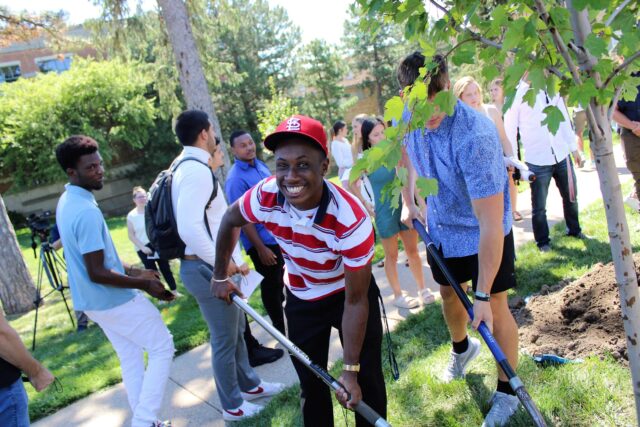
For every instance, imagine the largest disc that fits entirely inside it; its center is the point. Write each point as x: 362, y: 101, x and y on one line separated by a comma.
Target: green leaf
x: 560, y: 15
x: 582, y: 94
x: 591, y: 4
x: 359, y: 167
x: 418, y: 91
x: 490, y: 72
x: 596, y: 45
x: 427, y: 186
x: 530, y: 97
x: 428, y: 49
x: 464, y: 54
x: 514, y: 34
x: 514, y: 73
x: 393, y: 109
x: 402, y: 174
x: 553, y: 119
x: 391, y: 132
x: 499, y: 17
x: 537, y: 78
x: 446, y: 100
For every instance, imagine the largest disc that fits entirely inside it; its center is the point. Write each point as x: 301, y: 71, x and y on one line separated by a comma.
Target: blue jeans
x: 14, y: 410
x: 539, y: 191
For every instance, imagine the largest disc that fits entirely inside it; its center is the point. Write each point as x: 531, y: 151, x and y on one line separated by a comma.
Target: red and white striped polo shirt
x: 316, y: 251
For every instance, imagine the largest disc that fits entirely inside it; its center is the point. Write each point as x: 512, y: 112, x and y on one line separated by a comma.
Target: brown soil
x: 575, y: 319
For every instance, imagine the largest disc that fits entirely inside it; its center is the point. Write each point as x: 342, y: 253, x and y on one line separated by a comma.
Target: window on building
x: 9, y: 72
x: 57, y: 64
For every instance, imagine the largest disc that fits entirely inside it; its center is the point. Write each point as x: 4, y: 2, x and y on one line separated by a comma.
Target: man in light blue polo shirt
x: 106, y: 290
x: 262, y: 248
x: 469, y: 220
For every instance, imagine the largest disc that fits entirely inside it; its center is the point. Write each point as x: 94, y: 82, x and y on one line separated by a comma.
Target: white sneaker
x: 458, y: 362
x: 503, y: 406
x: 426, y: 297
x: 632, y: 202
x: 246, y: 410
x: 263, y: 390
x: 403, y: 301
x: 176, y: 293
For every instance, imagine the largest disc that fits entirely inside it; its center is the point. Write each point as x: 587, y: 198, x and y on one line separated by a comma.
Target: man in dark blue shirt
x: 263, y: 249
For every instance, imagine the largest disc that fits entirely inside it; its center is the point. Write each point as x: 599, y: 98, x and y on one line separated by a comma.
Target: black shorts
x: 465, y: 268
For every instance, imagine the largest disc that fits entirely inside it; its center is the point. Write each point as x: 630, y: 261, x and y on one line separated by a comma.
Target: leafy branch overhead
x: 584, y: 50
x: 521, y: 40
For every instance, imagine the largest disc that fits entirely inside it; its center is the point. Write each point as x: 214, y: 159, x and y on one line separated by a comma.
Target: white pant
x: 132, y: 328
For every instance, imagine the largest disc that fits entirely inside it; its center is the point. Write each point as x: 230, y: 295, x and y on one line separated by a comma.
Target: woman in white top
x: 468, y: 91
x: 138, y: 236
x: 341, y: 151
x: 497, y: 93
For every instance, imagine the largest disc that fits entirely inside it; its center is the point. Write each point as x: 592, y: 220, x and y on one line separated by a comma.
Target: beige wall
x: 367, y: 103
x: 114, y: 198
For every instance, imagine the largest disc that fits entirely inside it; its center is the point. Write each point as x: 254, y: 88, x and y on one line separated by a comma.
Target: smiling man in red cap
x: 327, y: 243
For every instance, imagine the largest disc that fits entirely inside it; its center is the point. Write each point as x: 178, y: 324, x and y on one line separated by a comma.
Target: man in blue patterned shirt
x: 470, y: 222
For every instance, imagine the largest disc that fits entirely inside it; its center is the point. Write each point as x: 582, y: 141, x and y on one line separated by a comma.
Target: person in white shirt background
x: 548, y: 156
x: 468, y: 91
x: 191, y: 189
x: 137, y: 233
x: 341, y: 151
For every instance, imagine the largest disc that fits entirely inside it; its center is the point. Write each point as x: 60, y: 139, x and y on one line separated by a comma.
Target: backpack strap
x: 214, y: 192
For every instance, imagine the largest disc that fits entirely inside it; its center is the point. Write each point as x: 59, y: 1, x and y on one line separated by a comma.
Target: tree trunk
x: 192, y: 80
x: 619, y: 239
x: 376, y: 61
x: 17, y: 291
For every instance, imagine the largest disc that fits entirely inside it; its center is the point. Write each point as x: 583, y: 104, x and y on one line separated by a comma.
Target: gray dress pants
x: 231, y: 370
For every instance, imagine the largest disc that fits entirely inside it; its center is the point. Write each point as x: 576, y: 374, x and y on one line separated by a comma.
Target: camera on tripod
x: 51, y: 267
x: 39, y: 226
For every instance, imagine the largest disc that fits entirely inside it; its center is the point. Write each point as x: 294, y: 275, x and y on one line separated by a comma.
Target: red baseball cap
x: 298, y: 125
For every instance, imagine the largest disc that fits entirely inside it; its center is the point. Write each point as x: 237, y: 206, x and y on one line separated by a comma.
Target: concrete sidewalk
x: 191, y: 398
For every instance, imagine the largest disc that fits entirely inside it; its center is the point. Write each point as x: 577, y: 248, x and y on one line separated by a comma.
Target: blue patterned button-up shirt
x: 465, y: 156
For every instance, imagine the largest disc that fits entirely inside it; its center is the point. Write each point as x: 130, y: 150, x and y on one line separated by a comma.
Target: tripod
x: 51, y: 264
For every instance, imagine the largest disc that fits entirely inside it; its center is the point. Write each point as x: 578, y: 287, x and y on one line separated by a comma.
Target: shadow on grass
x: 568, y: 259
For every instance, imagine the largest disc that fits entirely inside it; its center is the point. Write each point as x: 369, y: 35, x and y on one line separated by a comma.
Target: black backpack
x: 159, y: 218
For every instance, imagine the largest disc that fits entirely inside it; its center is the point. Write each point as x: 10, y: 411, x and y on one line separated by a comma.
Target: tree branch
x: 478, y: 37
x: 30, y: 26
x: 620, y: 68
x: 560, y: 45
x: 616, y: 12
x: 614, y: 102
x: 454, y: 24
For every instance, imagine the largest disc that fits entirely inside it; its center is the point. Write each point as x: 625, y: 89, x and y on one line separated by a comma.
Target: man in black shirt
x: 14, y: 359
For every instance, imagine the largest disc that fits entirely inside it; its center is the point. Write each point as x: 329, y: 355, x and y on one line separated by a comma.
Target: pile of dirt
x: 575, y: 319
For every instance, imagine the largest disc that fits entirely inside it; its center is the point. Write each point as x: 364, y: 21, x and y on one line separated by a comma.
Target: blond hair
x: 356, y: 145
x: 463, y: 83
x: 137, y: 189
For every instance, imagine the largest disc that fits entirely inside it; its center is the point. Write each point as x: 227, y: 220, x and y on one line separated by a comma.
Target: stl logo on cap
x: 293, y: 124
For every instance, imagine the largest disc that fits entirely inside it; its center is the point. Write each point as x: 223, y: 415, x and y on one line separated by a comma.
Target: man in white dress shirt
x: 548, y: 156
x: 191, y: 190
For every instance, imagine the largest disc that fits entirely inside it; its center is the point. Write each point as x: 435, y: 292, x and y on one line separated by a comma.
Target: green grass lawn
x: 594, y: 393
x: 85, y: 362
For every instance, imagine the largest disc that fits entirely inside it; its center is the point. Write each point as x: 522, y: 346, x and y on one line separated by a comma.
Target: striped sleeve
x: 256, y: 203
x: 357, y: 246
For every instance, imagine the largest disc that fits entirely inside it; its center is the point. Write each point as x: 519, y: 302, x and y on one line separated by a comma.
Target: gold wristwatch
x: 351, y: 368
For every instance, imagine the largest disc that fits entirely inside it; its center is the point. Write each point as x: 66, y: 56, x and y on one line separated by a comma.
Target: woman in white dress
x: 468, y: 91
x: 138, y: 235
x: 341, y: 151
